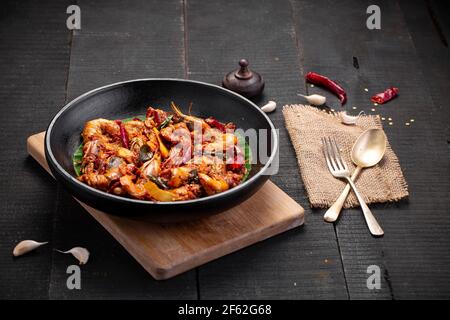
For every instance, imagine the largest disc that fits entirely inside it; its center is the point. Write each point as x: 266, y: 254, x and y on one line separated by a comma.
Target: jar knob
x: 244, y: 72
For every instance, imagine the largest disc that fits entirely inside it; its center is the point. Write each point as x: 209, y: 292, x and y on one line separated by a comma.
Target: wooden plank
x: 430, y: 32
x: 413, y: 263
x: 117, y: 41
x: 305, y: 262
x: 166, y: 250
x: 33, y: 65
x: 438, y: 10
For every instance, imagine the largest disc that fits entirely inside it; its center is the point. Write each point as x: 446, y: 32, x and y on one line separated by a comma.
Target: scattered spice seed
x: 366, y: 90
x: 312, y: 86
x: 372, y: 109
x: 412, y: 120
x: 383, y: 118
x: 375, y: 104
x: 407, y: 124
x: 391, y: 123
x: 354, y: 108
x: 332, y: 110
x: 390, y: 119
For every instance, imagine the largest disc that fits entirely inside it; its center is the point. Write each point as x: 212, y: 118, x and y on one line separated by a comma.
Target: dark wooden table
x: 43, y: 65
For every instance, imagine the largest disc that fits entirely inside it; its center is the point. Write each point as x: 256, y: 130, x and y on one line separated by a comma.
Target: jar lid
x: 244, y: 81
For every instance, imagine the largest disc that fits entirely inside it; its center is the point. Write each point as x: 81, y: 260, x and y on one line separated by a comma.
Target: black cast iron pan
x: 131, y: 98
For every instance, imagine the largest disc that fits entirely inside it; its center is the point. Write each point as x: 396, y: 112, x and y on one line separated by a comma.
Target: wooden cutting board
x: 165, y: 250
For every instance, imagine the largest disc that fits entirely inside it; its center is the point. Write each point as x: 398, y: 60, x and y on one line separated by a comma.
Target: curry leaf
x: 165, y: 122
x: 145, y: 153
x: 77, y: 159
x: 247, y: 156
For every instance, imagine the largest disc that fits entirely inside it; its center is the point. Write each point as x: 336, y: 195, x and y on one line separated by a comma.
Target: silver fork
x: 339, y: 169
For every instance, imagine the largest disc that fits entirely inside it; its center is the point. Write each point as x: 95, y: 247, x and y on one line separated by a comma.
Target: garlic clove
x: 82, y: 254
x: 269, y: 107
x: 315, y: 99
x: 348, y: 119
x: 26, y: 246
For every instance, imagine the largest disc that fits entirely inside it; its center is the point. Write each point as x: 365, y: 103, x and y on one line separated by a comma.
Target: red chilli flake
x: 238, y: 161
x: 123, y: 134
x: 149, y: 112
x: 327, y: 83
x: 385, y: 96
x: 215, y: 124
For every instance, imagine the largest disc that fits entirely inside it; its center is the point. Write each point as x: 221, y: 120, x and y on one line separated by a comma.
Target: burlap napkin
x: 307, y: 125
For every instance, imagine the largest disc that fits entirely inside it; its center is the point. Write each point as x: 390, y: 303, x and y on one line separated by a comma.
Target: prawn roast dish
x: 164, y: 156
x: 168, y: 163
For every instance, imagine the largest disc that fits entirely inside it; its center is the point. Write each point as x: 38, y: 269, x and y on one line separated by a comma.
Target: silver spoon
x: 367, y: 151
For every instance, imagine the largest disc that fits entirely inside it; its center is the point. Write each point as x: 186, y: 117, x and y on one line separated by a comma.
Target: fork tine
x: 338, y: 155
x: 326, y: 154
x: 332, y: 155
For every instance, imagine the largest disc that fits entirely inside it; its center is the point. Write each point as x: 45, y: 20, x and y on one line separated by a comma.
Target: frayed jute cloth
x: 307, y: 125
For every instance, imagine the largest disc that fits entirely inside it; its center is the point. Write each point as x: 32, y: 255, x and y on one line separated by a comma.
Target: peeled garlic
x: 347, y: 119
x: 82, y: 254
x: 315, y: 99
x: 269, y: 107
x: 26, y: 246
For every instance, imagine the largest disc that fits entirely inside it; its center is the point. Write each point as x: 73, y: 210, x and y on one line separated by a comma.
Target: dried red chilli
x: 327, y: 83
x: 385, y: 96
x: 149, y: 112
x: 123, y: 134
x: 158, y: 115
x: 215, y: 124
x: 238, y: 161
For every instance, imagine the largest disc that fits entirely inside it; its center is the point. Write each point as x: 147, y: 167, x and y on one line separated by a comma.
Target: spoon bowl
x: 369, y: 148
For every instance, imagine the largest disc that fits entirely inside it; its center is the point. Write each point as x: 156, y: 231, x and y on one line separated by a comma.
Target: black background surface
x: 43, y: 65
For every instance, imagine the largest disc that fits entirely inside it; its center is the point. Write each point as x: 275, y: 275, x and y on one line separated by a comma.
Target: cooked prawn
x: 134, y: 128
x: 191, y: 119
x: 135, y: 190
x: 163, y: 158
x: 100, y: 129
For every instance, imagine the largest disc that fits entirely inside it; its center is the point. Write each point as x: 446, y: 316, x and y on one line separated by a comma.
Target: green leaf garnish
x: 247, y: 156
x: 165, y: 122
x: 145, y: 153
x: 158, y: 182
x: 77, y: 159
